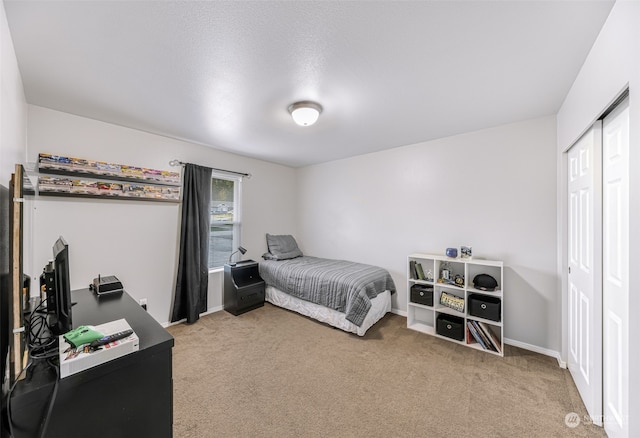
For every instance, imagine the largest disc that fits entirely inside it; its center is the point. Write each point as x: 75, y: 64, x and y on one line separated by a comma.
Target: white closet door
x: 615, y: 278
x: 585, y: 261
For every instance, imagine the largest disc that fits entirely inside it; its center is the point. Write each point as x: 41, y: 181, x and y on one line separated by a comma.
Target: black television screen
x: 62, y: 322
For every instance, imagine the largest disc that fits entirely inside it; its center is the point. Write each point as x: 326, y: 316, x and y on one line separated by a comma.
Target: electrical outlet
x: 143, y: 303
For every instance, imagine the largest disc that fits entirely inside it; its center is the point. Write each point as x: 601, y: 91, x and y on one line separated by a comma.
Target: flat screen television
x: 61, y: 321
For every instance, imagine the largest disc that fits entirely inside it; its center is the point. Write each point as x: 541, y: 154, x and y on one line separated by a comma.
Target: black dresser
x: 131, y: 396
x: 243, y: 287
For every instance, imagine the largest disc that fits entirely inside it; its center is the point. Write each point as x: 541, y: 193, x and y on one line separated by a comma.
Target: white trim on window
x: 236, y: 223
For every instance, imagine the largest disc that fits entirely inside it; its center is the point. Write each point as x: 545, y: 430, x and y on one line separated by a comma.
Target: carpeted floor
x: 274, y: 373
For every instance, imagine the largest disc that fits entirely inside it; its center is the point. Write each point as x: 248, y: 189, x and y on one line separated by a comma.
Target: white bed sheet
x: 380, y: 305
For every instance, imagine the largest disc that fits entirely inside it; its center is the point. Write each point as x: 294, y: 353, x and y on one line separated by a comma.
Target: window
x: 224, y: 236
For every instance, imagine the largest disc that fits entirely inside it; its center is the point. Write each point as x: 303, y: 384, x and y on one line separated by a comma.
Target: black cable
x: 13, y: 386
x: 47, y: 417
x: 42, y: 345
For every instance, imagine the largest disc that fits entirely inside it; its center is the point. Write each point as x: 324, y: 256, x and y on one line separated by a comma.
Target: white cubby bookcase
x: 424, y: 317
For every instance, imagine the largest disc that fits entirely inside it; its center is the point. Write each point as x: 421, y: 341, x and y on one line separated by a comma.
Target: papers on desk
x: 73, y: 360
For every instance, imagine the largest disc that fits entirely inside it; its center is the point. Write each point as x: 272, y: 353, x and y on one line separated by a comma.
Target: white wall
x: 612, y: 65
x: 493, y: 190
x: 13, y: 124
x: 13, y: 106
x: 137, y: 240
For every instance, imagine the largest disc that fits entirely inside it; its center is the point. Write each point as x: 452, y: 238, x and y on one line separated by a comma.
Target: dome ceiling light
x: 305, y: 113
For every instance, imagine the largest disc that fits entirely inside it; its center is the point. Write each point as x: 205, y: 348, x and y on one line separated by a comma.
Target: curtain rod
x: 180, y: 163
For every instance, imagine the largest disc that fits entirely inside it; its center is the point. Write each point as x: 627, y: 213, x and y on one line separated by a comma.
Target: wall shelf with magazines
x: 457, y: 299
x: 77, y: 177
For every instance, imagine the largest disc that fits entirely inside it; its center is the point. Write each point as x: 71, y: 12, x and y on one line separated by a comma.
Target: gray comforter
x: 340, y: 285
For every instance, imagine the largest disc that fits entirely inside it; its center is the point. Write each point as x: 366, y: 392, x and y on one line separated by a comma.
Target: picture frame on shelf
x: 466, y: 252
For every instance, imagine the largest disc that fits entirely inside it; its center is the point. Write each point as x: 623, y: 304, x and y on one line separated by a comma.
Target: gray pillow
x: 282, y: 247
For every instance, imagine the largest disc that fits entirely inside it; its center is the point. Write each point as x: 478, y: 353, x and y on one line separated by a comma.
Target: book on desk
x: 80, y: 358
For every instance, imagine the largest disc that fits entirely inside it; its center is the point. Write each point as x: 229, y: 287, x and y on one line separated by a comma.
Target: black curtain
x: 193, y: 260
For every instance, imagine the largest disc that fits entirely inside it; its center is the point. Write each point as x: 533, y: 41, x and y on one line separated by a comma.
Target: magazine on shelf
x: 100, y: 168
x: 491, y: 335
x: 476, y: 335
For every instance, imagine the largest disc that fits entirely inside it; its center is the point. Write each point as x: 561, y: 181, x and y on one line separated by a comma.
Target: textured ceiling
x: 222, y: 74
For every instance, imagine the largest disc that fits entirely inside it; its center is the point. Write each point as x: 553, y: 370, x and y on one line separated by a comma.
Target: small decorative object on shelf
x: 485, y: 282
x: 429, y: 275
x: 465, y: 252
x: 452, y: 301
x: 452, y: 252
x: 445, y: 273
x: 455, y: 308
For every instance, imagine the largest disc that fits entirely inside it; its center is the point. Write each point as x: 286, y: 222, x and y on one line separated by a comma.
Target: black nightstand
x: 243, y: 287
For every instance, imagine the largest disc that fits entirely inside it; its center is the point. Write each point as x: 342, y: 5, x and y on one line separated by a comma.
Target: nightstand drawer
x: 250, y: 296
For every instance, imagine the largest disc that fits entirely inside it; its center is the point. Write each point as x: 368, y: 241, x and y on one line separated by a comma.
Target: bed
x: 346, y: 295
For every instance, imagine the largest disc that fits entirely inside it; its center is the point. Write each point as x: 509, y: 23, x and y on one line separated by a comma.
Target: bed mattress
x: 380, y: 305
x: 341, y: 285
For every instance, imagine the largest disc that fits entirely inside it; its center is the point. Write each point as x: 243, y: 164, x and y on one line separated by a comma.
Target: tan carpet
x: 274, y: 373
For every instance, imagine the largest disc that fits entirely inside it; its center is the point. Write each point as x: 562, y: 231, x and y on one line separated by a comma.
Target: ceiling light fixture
x: 305, y: 113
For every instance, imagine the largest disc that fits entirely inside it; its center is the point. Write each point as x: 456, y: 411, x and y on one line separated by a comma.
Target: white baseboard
x: 523, y: 345
x: 536, y: 349
x: 212, y: 310
x: 209, y: 311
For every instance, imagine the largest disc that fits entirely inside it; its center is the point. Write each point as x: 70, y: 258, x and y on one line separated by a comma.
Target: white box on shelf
x: 73, y: 360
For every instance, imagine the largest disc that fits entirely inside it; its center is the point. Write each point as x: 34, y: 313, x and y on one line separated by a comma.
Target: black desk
x: 131, y: 396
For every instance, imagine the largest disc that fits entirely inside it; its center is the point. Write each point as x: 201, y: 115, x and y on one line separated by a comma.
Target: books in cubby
x: 483, y: 335
x: 417, y: 272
